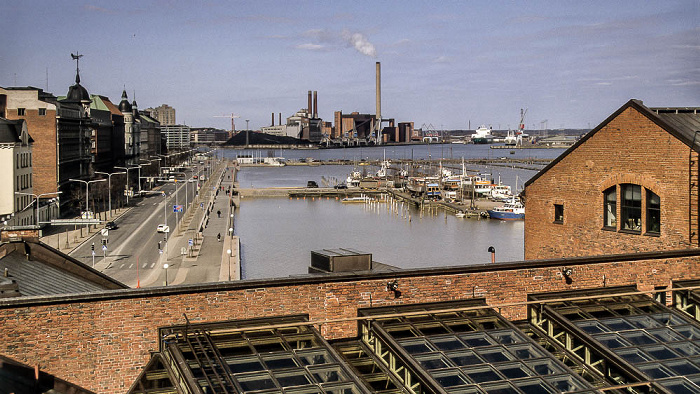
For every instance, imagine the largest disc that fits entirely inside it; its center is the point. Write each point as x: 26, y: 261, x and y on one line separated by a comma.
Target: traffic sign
x: 93, y: 253
x: 177, y: 208
x: 104, y: 247
x: 104, y: 232
x: 189, y: 242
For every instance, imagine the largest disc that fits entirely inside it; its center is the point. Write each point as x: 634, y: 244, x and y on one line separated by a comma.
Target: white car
x: 162, y: 228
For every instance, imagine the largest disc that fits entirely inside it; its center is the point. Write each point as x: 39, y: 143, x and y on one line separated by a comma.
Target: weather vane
x: 77, y: 57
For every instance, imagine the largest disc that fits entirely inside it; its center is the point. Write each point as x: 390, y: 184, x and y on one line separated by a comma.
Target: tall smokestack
x: 315, y: 105
x: 273, y: 119
x: 280, y: 118
x: 308, y: 109
x: 379, y: 90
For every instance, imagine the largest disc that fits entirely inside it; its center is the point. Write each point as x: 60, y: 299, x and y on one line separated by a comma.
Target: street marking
x: 153, y: 264
x: 131, y: 265
x: 144, y: 265
x: 121, y: 266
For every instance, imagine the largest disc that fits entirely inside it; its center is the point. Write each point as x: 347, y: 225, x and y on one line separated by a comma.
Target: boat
x: 501, y: 192
x: 482, y: 135
x: 513, y: 210
x: 356, y: 200
x: 511, y: 139
x: 460, y: 214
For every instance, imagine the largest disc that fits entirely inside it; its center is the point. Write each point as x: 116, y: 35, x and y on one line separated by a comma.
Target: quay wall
x: 101, y: 341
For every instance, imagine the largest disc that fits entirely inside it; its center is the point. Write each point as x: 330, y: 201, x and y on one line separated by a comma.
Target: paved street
x: 133, y: 256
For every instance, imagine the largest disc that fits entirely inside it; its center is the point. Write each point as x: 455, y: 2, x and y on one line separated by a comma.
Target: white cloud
x: 310, y: 47
x: 360, y: 43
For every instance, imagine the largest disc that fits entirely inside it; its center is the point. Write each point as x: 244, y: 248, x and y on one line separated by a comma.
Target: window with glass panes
x: 653, y: 212
x: 610, y: 212
x: 631, y: 207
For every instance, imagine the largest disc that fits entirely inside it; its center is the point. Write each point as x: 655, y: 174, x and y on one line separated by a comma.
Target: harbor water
x: 277, y: 235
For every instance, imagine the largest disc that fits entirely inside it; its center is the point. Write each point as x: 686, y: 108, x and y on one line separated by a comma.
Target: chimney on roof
x: 315, y: 105
x: 273, y: 119
x: 280, y: 119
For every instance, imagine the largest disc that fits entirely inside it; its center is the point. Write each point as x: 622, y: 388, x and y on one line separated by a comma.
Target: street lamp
x: 87, y: 190
x: 165, y: 267
x: 127, y: 180
x: 109, y: 186
x: 36, y: 202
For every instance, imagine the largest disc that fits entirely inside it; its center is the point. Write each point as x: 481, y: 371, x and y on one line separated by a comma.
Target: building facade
x: 164, y: 114
x: 177, y: 137
x: 630, y: 185
x: 16, y: 199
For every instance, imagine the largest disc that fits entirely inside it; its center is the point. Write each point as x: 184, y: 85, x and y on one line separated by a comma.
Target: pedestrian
x: 218, y: 237
x: 218, y: 213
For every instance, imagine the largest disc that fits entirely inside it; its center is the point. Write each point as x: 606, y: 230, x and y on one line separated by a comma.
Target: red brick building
x: 630, y: 185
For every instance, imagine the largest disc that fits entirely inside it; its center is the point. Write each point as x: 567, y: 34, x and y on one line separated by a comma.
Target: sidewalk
x: 201, y: 223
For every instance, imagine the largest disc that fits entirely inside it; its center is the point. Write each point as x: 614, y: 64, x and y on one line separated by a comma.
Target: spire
x: 77, y: 57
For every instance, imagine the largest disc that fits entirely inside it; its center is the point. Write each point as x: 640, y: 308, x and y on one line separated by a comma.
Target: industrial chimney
x: 308, y: 109
x: 379, y: 91
x: 273, y: 119
x: 315, y: 105
x: 280, y: 118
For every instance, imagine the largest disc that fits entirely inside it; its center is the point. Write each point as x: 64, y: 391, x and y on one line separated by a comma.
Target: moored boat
x: 513, y: 210
x: 356, y: 200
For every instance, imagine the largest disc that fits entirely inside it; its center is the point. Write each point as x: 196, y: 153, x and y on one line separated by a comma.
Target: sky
x: 445, y: 64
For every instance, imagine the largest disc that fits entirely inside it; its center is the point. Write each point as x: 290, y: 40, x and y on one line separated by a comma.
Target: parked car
x: 162, y: 228
x: 111, y: 226
x: 341, y: 186
x: 311, y: 184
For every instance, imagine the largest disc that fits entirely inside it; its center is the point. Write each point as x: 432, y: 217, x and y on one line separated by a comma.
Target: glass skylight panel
x: 591, y: 326
x: 485, y: 373
x: 534, y: 386
x: 680, y: 386
x: 612, y: 341
x: 416, y: 346
x: 495, y: 354
x: 617, y: 324
x: 690, y: 332
x: 450, y: 378
x: 477, y: 339
x: 638, y: 338
x: 432, y: 361
x: 465, y: 358
x: 633, y: 355
x: 246, y: 364
x: 448, y: 343
x: 506, y: 337
x: 514, y: 370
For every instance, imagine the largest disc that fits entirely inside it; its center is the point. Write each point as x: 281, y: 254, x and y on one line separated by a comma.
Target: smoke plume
x: 360, y: 43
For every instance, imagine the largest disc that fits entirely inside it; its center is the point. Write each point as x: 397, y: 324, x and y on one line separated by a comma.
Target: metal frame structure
x: 228, y: 358
x: 628, y: 337
x: 462, y: 351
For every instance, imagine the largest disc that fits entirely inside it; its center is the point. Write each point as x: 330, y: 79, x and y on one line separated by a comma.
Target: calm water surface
x: 278, y: 234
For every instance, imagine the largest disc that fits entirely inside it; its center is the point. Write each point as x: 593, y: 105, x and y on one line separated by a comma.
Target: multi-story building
x: 164, y: 114
x: 16, y: 192
x: 177, y: 136
x: 629, y: 185
x: 132, y: 130
x: 61, y: 131
x: 150, y: 128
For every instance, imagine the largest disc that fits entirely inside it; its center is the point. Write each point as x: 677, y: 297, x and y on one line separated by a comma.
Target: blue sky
x: 444, y: 63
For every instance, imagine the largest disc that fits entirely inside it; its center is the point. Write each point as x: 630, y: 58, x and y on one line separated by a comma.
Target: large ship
x: 482, y: 135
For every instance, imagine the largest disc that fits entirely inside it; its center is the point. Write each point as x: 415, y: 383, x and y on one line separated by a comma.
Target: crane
x: 232, y: 116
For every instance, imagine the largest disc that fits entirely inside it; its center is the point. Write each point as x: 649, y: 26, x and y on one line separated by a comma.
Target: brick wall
x: 628, y: 149
x: 101, y: 341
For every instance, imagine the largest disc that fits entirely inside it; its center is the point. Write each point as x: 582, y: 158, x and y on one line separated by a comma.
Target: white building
x: 16, y: 200
x: 176, y: 136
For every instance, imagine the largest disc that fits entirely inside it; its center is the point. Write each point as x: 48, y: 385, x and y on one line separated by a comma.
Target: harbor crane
x: 233, y: 125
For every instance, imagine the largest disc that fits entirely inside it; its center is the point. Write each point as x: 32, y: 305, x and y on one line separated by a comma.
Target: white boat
x: 513, y: 210
x: 511, y: 139
x: 482, y: 135
x: 356, y: 200
x: 501, y: 192
x: 460, y: 214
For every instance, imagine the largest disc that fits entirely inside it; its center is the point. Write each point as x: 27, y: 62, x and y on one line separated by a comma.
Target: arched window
x: 653, y: 212
x: 631, y: 207
x: 610, y: 209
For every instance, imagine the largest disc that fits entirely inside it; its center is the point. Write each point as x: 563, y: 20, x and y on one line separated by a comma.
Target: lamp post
x: 87, y: 190
x: 109, y: 186
x: 36, y: 202
x: 127, y: 180
x: 165, y: 267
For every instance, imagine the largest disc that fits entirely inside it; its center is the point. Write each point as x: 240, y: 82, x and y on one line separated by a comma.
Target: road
x: 133, y: 249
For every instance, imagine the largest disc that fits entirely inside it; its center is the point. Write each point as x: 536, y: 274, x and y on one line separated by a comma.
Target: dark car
x: 341, y: 186
x: 111, y: 226
x: 311, y: 184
